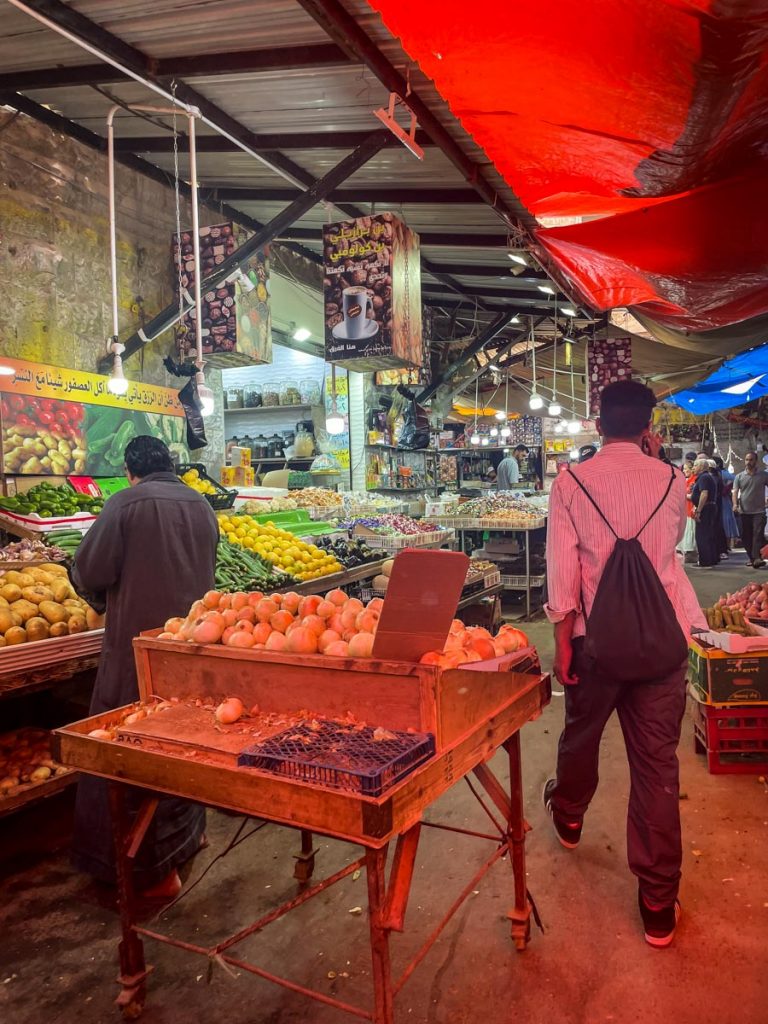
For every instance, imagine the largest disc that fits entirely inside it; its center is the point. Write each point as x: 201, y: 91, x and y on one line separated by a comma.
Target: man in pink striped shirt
x: 627, y: 481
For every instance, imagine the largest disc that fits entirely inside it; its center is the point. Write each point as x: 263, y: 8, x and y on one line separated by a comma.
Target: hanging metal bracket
x: 387, y: 118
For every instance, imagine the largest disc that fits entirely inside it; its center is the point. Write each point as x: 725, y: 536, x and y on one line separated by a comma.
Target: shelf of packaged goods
x: 404, y: 451
x: 262, y: 462
x: 269, y: 408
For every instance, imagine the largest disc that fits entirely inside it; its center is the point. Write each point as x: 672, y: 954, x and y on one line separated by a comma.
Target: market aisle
x: 57, y: 946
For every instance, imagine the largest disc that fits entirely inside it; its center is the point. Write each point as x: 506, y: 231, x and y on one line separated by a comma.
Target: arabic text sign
x: 39, y: 381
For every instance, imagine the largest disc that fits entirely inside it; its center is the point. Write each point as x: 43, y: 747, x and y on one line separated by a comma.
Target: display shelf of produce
x: 35, y: 664
x: 397, y: 542
x: 405, y: 490
x: 522, y: 582
x: 336, y: 579
x: 30, y: 527
x: 478, y: 596
x: 37, y: 791
x: 467, y: 523
x: 268, y: 408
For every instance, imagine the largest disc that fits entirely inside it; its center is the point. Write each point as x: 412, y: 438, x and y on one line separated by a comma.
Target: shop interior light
x: 475, y: 439
x: 574, y: 426
x: 302, y: 334
x: 494, y: 367
x: 559, y: 427
x: 517, y: 258
x: 568, y: 310
x: 500, y: 414
x: 536, y: 401
x: 6, y: 371
x: 494, y: 431
x: 555, y: 409
x: 574, y: 454
x: 546, y: 289
x: 485, y: 441
x: 204, y: 393
x: 505, y: 431
x: 117, y: 383
x: 515, y: 320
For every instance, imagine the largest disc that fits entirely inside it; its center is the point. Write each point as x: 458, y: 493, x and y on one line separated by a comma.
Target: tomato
x: 16, y: 402
x: 46, y: 418
x: 24, y: 421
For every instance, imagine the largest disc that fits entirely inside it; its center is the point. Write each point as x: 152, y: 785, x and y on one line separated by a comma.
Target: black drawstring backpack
x: 633, y: 635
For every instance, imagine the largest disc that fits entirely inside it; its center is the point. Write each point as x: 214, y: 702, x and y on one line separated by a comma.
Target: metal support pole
x: 520, y: 915
x: 375, y: 862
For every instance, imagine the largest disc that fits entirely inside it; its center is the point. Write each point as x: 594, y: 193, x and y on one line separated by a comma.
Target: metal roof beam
x: 369, y: 194
x: 520, y: 336
x: 490, y: 271
x: 483, y: 339
x: 526, y: 295
x: 444, y: 239
x: 263, y: 141
x: 262, y: 237
x: 288, y: 58
x: 343, y: 28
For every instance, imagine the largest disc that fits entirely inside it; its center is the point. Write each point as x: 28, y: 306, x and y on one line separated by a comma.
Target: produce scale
x: 395, y: 730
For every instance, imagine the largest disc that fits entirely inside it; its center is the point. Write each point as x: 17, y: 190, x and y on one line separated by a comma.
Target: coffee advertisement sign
x: 372, y: 294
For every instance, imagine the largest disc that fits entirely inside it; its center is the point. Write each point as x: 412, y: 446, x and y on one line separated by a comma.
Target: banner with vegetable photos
x: 237, y: 325
x: 56, y: 421
x: 610, y: 360
x: 372, y: 293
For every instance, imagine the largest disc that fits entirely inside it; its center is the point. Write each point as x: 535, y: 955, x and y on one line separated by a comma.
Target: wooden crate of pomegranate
x: 398, y: 695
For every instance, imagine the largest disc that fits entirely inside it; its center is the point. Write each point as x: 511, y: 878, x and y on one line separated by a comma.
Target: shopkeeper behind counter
x: 148, y: 556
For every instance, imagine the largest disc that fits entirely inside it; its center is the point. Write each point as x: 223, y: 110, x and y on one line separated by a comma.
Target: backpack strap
x: 596, y: 506
x: 602, y: 515
x: 664, y: 498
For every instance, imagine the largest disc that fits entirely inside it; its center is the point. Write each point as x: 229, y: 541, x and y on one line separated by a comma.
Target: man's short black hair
x: 626, y: 408
x: 520, y: 448
x: 690, y: 456
x: 145, y: 455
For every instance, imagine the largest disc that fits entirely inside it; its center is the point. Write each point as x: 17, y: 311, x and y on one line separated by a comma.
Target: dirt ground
x: 58, y: 942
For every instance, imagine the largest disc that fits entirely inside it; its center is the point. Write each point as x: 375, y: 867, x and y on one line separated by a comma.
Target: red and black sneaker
x: 567, y: 832
x: 660, y: 923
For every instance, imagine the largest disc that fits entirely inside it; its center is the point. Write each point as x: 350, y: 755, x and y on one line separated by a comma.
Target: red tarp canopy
x: 650, y: 114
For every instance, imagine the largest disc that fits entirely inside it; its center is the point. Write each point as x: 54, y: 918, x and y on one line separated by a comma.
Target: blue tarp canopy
x: 738, y: 381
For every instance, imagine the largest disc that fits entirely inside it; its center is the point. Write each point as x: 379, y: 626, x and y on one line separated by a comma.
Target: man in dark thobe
x: 149, y: 555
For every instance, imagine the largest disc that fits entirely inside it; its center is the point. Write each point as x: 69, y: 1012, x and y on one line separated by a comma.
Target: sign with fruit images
x: 57, y: 421
x: 372, y: 294
x: 237, y: 325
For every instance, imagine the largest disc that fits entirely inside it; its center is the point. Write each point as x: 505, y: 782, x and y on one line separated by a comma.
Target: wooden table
x: 471, y: 714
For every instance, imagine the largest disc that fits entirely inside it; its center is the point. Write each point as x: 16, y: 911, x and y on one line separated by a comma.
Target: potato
x: 37, y: 593
x: 77, y: 624
x: 73, y: 602
x: 4, y: 603
x: 59, y: 629
x: 62, y: 591
x: 26, y: 609
x: 17, y: 619
x: 15, y: 635
x: 21, y: 579
x: 40, y: 576
x: 52, y: 611
x: 380, y: 582
x: 2, y: 641
x: 94, y: 620
x: 54, y: 569
x: 10, y: 592
x: 388, y: 566
x: 37, y: 628
x: 6, y: 619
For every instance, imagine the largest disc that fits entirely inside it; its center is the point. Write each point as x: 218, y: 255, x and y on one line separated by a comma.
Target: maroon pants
x: 651, y: 716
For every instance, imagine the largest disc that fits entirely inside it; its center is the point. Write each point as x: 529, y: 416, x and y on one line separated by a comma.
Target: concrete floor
x: 58, y: 944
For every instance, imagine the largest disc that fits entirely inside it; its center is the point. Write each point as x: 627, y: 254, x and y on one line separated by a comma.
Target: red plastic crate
x: 734, y: 739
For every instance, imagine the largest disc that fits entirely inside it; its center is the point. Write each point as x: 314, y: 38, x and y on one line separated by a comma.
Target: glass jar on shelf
x: 234, y: 398
x: 304, y: 445
x: 310, y: 392
x: 252, y: 396
x: 289, y: 393
x: 270, y: 396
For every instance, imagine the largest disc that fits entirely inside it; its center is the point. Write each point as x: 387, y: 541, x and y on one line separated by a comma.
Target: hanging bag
x: 632, y: 633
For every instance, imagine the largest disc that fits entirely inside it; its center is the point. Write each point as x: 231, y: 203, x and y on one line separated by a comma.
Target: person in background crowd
x: 149, y: 555
x: 749, y: 500
x: 764, y: 450
x: 730, y: 526
x: 690, y: 457
x: 508, y: 472
x: 704, y: 500
x: 688, y: 542
x: 631, y: 487
x: 721, y: 540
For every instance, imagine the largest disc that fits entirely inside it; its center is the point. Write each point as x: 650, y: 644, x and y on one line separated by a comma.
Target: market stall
x: 354, y: 747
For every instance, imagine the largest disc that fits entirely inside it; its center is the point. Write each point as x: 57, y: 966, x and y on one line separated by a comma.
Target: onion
x: 228, y: 711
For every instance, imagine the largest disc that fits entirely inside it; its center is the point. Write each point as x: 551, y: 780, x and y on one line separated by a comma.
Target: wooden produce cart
x: 471, y: 712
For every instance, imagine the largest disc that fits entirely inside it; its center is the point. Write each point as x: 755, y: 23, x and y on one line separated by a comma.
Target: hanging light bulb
x: 475, y: 439
x: 500, y: 414
x: 485, y: 441
x: 204, y: 393
x: 559, y: 427
x: 554, y: 409
x: 574, y: 426
x: 536, y: 401
x: 574, y: 454
x: 117, y: 383
x: 505, y: 431
x: 494, y: 431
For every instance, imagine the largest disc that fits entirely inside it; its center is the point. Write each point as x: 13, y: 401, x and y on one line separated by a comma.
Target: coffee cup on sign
x: 355, y: 303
